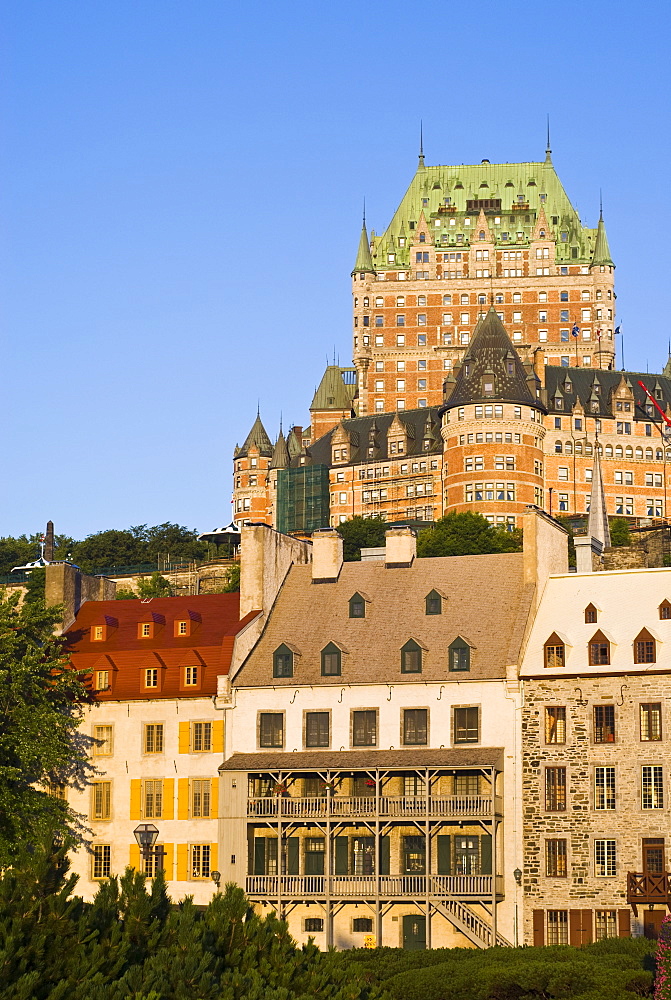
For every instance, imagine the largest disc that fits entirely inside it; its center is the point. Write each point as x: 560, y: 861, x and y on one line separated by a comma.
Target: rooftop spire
x: 597, y: 524
x: 548, y: 150
x: 601, y: 249
x: 364, y: 261
x: 420, y: 165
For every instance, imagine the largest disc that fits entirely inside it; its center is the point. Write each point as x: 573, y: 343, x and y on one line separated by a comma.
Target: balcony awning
x: 366, y: 760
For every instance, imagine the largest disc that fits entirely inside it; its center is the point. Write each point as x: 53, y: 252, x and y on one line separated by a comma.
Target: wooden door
x: 414, y: 932
x: 652, y: 923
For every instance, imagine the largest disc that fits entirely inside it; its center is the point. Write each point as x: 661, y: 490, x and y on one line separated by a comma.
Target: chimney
x: 401, y: 547
x: 266, y: 556
x: 544, y: 549
x: 539, y: 365
x: 327, y: 555
x: 49, y: 542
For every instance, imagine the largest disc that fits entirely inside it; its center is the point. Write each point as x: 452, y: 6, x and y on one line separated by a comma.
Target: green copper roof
x: 258, y: 438
x: 511, y: 195
x: 601, y: 248
x: 364, y: 261
x: 332, y: 393
x: 280, y: 459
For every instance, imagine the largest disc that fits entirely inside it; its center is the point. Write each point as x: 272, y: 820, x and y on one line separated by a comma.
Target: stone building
x: 370, y: 785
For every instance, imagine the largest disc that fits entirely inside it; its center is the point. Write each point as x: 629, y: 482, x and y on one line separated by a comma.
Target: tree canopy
x: 466, y: 534
x: 361, y: 533
x: 41, y: 748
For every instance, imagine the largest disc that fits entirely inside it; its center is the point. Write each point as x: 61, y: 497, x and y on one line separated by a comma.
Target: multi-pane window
x: 201, y: 797
x: 357, y: 606
x: 317, y: 729
x: 153, y: 737
x: 102, y: 680
x: 362, y: 924
x: 605, y: 925
x: 599, y: 651
x: 644, y: 649
x: 651, y: 721
x: 467, y: 784
x: 201, y: 737
x: 145, y: 630
x: 313, y: 925
x: 364, y: 728
x: 315, y: 850
x: 652, y: 787
x: 151, y: 677
x: 283, y: 662
x: 555, y: 789
x: 102, y: 800
x: 604, y: 857
x: 105, y: 737
x: 190, y: 676
x: 271, y: 729
x: 554, y: 653
x: 604, y: 723
x: 411, y: 658
x: 200, y: 860
x: 665, y: 610
x: 604, y: 787
x: 555, y: 724
x: 555, y: 858
x: 557, y: 926
x: 98, y: 633
x: 182, y: 628
x: 152, y: 799
x: 331, y: 661
x: 466, y: 725
x: 101, y: 862
x: 459, y: 655
x: 434, y: 604
x: 415, y: 726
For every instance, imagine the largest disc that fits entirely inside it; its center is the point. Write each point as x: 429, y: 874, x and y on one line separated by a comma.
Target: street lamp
x: 517, y: 875
x: 216, y: 878
x: 146, y: 834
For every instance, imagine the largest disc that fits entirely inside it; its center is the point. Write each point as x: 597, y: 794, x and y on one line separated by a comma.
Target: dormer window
x: 331, y: 660
x: 645, y: 650
x: 434, y: 603
x: 554, y: 652
x: 145, y: 630
x: 422, y: 237
x: 357, y: 606
x: 599, y: 650
x: 459, y: 653
x: 665, y: 611
x: 283, y: 662
x: 411, y: 658
x: 590, y: 614
x: 98, y: 633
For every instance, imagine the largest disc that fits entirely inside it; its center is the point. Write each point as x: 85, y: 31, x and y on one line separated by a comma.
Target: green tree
x: 125, y: 594
x: 464, y: 535
x: 41, y: 701
x: 154, y: 586
x: 233, y: 579
x: 361, y: 533
x: 619, y: 531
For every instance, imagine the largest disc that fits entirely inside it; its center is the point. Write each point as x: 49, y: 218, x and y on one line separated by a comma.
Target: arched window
x: 629, y: 452
x: 422, y: 237
x: 618, y: 451
x: 599, y: 650
x: 434, y: 603
x: 578, y: 447
x: 665, y: 610
x: 460, y: 654
x: 588, y: 448
x: 590, y: 614
x: 481, y: 234
x: 668, y: 454
x: 568, y: 448
x: 639, y: 454
x: 331, y: 661
x: 283, y: 662
x: 659, y: 455
x: 554, y: 651
x: 648, y: 454
x: 609, y: 451
x: 645, y: 650
x: 558, y: 447
x: 411, y: 658
x: 357, y: 606
x: 366, y: 302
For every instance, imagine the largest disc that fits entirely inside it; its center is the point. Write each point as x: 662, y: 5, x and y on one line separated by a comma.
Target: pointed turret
x: 601, y: 248
x: 364, y: 261
x: 597, y: 524
x: 280, y: 459
x: 492, y: 369
x: 257, y: 438
x: 332, y: 393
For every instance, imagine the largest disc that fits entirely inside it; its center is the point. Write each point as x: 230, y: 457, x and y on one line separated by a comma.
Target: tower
x: 493, y: 430
x: 251, y: 463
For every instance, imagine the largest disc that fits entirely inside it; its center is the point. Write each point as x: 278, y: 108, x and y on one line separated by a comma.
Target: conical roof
x: 294, y: 446
x: 597, y: 524
x: 601, y: 248
x: 364, y: 261
x: 491, y: 369
x: 332, y: 393
x: 280, y: 459
x: 258, y: 438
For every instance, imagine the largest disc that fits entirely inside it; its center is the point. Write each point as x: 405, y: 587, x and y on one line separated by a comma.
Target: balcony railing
x: 392, y: 806
x: 367, y: 886
x: 647, y: 888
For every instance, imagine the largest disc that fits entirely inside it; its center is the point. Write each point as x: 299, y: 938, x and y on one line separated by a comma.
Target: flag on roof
x: 618, y: 329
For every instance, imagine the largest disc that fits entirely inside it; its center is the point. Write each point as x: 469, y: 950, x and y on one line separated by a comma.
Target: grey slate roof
x: 469, y: 757
x: 256, y: 437
x: 572, y: 385
x: 491, y: 360
x: 332, y: 393
x: 374, y: 427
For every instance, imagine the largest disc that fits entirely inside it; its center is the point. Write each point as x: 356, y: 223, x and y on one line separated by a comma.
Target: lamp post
x: 146, y: 834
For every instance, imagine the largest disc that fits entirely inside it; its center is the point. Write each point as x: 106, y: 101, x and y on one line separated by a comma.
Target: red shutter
x: 624, y: 923
x: 539, y: 928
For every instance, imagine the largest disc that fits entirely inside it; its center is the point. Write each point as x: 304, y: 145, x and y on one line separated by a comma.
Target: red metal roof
x: 212, y: 620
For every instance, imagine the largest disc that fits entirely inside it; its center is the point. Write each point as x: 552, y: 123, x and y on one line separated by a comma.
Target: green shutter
x: 293, y: 844
x: 341, y: 855
x: 486, y: 854
x: 259, y: 855
x: 444, y: 854
x: 385, y: 851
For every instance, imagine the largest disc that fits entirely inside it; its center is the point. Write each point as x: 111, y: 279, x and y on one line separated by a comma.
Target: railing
x: 365, y: 806
x: 647, y: 888
x: 388, y: 886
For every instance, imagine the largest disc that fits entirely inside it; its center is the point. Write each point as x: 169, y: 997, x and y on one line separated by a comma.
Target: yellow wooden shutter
x: 182, y: 798
x: 184, y: 737
x: 214, y: 797
x: 168, y: 861
x: 134, y: 859
x: 135, y: 798
x: 214, y: 857
x: 218, y: 736
x: 168, y: 798
x: 182, y: 862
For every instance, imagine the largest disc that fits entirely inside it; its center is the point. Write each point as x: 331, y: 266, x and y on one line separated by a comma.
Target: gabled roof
x: 374, y: 428
x: 258, y: 438
x: 491, y: 360
x: 332, y: 393
x: 582, y: 388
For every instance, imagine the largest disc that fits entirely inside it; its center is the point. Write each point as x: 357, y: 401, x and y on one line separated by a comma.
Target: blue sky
x: 180, y: 203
